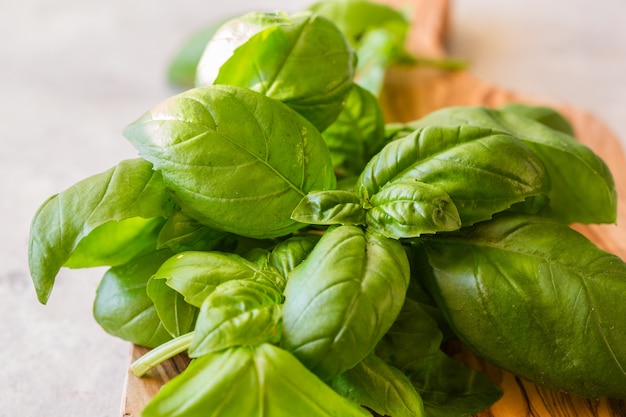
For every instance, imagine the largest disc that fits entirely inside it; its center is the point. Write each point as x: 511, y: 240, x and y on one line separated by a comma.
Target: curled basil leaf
x: 484, y: 172
x: 234, y: 159
x: 330, y: 207
x: 178, y: 317
x: 535, y: 297
x: 304, y: 62
x: 129, y: 190
x: 288, y: 254
x: 342, y: 299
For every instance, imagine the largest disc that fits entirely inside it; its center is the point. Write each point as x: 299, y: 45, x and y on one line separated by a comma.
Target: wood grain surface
x: 410, y: 93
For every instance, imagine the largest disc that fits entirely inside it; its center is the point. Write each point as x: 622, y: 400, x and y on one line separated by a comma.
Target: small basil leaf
x: 177, y: 316
x: 195, y: 275
x: 330, y: 207
x: 484, y: 172
x: 351, y: 287
x: 357, y: 134
x: 262, y: 381
x: 122, y: 306
x: 290, y: 63
x: 446, y: 386
x: 229, y: 163
x: 290, y: 253
x: 181, y: 233
x: 408, y: 208
x: 536, y: 298
x: 381, y: 388
x: 129, y: 190
x: 237, y: 313
x: 581, y: 187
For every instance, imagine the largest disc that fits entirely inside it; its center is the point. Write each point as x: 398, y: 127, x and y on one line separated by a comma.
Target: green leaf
x: 129, y: 190
x: 484, y: 172
x: 535, y: 297
x: 263, y: 381
x: 447, y: 388
x: 380, y: 387
x: 238, y: 313
x: 408, y: 208
x: 196, y: 275
x: 581, y: 187
x: 177, y: 316
x: 305, y: 62
x: 342, y: 299
x: 122, y: 306
x: 289, y: 253
x: 545, y: 115
x: 181, y: 233
x: 330, y: 207
x: 357, y: 134
x: 229, y: 162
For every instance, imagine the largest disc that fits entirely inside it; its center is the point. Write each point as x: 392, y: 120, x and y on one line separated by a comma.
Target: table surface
x: 73, y: 74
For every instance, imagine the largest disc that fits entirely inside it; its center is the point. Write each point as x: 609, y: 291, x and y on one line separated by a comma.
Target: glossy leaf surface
x: 178, y: 317
x: 230, y: 163
x: 263, y: 381
x: 342, y: 299
x: 129, y: 190
x: 330, y: 207
x: 537, y: 298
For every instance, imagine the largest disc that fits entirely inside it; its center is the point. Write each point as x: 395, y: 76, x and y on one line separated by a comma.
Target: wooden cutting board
x: 408, y: 95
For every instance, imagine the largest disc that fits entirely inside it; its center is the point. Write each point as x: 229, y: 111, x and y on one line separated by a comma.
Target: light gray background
x: 74, y: 73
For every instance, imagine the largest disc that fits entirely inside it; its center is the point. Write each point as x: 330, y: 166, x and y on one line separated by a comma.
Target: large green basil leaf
x: 307, y: 64
x: 408, y: 208
x: 581, y: 185
x: 234, y: 159
x: 238, y: 313
x: 447, y: 388
x: 195, y: 275
x: 357, y: 134
x: 122, y: 306
x: 537, y: 298
x: 178, y: 317
x: 262, y: 381
x: 129, y: 190
x: 381, y: 388
x: 342, y: 299
x: 330, y: 207
x: 484, y: 172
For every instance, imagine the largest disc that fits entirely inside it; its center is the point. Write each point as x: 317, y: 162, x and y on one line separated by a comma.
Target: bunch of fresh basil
x: 311, y: 259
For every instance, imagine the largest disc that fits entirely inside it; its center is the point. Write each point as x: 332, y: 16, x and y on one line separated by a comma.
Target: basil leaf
x: 237, y: 313
x: 446, y: 386
x: 177, y: 316
x: 229, y: 163
x: 330, y: 207
x: 380, y: 387
x: 116, y: 242
x: 351, y: 287
x: 196, y: 275
x: 357, y: 134
x: 129, y: 190
x: 181, y: 233
x: 547, y: 116
x: 290, y: 253
x: 290, y: 63
x: 122, y: 306
x: 484, y: 172
x: 263, y: 381
x: 581, y: 186
x: 408, y: 208
x: 537, y: 298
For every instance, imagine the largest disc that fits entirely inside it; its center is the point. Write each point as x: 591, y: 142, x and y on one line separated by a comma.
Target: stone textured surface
x: 73, y: 74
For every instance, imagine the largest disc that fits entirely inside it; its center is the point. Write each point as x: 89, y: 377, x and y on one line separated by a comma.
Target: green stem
x: 160, y: 354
